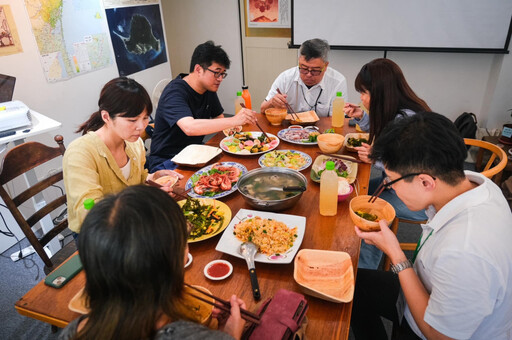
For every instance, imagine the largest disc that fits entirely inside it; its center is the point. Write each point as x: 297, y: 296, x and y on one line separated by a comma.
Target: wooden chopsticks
x: 224, y: 305
x: 377, y: 192
x: 347, y: 158
x: 258, y: 125
x: 292, y: 112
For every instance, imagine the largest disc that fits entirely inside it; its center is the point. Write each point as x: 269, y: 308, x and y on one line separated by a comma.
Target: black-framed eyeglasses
x: 314, y: 72
x: 387, y: 183
x: 218, y: 74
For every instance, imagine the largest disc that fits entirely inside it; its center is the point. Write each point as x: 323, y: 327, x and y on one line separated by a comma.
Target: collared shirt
x: 318, y: 98
x: 466, y: 265
x: 90, y: 171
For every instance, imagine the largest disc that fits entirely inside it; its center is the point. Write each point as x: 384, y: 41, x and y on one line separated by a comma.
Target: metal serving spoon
x: 287, y: 189
x: 248, y: 250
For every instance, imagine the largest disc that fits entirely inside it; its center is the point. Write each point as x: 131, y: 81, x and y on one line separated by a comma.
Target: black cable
x: 61, y: 190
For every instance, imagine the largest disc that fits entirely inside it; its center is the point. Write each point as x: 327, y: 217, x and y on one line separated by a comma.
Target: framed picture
x: 268, y: 13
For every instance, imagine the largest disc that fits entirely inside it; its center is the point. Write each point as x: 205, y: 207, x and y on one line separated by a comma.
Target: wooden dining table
x: 326, y: 320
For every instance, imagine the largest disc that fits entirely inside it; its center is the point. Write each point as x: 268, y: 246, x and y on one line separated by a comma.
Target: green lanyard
x: 419, y: 245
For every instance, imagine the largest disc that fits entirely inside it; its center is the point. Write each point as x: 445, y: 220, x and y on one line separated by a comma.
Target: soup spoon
x: 290, y: 188
x: 248, y: 250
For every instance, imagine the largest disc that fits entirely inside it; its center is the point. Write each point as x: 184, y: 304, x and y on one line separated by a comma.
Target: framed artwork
x: 9, y: 39
x: 268, y: 13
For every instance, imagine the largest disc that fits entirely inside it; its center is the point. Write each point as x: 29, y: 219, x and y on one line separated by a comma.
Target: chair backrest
x: 18, y: 161
x: 490, y: 170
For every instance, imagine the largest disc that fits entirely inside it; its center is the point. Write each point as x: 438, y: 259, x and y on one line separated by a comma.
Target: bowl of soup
x: 366, y: 215
x: 272, y: 188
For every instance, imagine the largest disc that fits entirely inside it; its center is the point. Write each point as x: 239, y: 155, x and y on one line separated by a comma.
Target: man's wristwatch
x: 397, y: 268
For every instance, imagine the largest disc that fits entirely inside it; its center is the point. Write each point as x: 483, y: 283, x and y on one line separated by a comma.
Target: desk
x: 40, y: 124
x: 327, y: 320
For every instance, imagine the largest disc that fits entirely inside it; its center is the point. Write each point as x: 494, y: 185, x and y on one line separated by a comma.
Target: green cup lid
x: 238, y: 93
x: 88, y: 204
x: 339, y: 94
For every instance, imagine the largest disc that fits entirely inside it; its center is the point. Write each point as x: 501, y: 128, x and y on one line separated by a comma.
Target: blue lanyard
x: 419, y: 245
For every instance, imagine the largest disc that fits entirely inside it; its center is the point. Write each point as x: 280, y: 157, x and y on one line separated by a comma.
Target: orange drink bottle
x: 246, y: 96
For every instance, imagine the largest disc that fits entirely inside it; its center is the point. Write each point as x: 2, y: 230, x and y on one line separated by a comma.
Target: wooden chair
x: 18, y: 161
x: 491, y: 171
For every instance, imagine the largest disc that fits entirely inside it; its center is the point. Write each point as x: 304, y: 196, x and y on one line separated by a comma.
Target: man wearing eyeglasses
x: 189, y: 107
x: 458, y: 284
x: 312, y: 85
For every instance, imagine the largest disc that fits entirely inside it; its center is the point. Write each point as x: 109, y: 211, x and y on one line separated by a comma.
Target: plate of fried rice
x: 278, y: 236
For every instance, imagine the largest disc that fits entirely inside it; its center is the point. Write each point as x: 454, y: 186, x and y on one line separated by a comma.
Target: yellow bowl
x: 275, y: 116
x: 330, y: 142
x: 380, y: 207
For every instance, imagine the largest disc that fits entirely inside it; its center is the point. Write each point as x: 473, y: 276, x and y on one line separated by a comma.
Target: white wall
x: 192, y: 22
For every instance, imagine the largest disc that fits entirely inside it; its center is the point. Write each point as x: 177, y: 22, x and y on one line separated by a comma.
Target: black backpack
x: 467, y: 125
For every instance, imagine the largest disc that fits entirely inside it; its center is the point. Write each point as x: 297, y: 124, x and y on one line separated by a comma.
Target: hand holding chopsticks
x: 258, y: 125
x: 292, y: 112
x: 224, y: 305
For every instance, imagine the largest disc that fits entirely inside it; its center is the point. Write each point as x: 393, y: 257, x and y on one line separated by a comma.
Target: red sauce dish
x: 218, y: 270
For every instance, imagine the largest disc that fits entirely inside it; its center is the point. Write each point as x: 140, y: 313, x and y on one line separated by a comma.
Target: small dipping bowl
x: 218, y: 270
x: 275, y: 116
x: 343, y: 183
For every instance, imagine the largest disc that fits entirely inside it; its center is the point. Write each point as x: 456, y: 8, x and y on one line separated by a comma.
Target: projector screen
x: 406, y: 25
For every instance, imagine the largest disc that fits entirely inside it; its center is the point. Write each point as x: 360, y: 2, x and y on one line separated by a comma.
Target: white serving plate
x: 229, y: 244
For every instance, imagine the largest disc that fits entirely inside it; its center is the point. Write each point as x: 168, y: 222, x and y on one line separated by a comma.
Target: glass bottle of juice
x: 238, y: 101
x: 246, y: 96
x: 338, y: 110
x: 329, y: 191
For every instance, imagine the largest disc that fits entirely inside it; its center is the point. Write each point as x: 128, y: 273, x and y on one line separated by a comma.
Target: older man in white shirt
x: 312, y: 85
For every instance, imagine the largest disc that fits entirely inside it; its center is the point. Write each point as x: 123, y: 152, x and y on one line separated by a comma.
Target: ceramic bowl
x: 330, y: 142
x: 344, y: 196
x: 275, y: 116
x: 380, y: 207
x: 325, y: 274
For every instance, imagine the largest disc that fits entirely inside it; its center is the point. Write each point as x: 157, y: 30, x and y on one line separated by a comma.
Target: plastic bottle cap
x: 245, y: 87
x: 329, y: 165
x: 338, y: 94
x: 239, y: 93
x: 88, y: 204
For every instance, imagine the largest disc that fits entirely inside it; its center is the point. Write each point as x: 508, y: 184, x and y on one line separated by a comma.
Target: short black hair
x: 206, y: 54
x: 426, y: 142
x: 315, y: 48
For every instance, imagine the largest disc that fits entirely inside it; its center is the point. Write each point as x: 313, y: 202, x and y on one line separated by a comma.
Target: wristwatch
x: 397, y: 268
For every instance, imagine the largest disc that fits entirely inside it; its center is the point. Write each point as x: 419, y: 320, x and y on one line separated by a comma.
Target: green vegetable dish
x: 355, y: 142
x: 367, y: 216
x: 201, y: 219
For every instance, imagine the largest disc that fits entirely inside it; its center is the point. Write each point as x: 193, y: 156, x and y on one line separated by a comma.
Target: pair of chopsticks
x: 292, y: 112
x: 224, y: 305
x: 347, y: 158
x: 258, y: 125
x: 377, y: 192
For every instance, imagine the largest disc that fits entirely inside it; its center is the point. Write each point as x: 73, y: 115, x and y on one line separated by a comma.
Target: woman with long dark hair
x: 387, y: 95
x: 110, y: 155
x: 133, y: 247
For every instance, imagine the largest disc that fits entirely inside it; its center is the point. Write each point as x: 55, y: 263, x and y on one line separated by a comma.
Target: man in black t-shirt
x: 189, y: 107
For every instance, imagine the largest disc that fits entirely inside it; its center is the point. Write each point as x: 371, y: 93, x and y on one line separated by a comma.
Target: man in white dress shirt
x: 312, y: 85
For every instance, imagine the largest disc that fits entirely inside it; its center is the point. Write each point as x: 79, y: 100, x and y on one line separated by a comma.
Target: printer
x: 14, y: 115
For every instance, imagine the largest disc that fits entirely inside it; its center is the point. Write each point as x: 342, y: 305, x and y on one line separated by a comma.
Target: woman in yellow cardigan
x: 110, y: 154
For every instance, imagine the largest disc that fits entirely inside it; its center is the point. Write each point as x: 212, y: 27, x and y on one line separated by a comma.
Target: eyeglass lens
x: 305, y: 70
